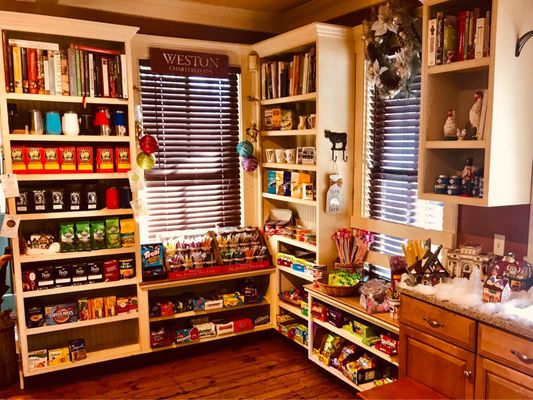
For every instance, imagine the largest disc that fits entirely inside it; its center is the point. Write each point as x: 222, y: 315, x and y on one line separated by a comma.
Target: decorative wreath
x: 392, y: 50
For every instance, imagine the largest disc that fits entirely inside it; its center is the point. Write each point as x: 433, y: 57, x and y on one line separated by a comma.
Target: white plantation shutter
x: 195, y: 183
x: 392, y: 167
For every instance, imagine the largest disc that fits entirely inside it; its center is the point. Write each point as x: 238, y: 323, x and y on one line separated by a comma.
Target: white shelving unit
x: 106, y: 338
x: 505, y: 154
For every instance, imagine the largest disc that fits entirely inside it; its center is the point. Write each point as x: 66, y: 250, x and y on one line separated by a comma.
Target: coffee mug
x: 112, y: 198
x: 86, y: 122
x: 270, y: 155
x: 280, y: 156
x: 71, y: 125
x: 290, y: 156
x: 311, y: 121
x: 53, y: 123
x: 36, y: 118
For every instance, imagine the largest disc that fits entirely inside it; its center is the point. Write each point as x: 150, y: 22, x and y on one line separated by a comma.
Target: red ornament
x: 149, y: 144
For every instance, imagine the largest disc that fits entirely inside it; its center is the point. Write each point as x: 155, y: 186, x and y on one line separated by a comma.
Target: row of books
x: 289, y: 78
x: 458, y: 37
x: 43, y: 68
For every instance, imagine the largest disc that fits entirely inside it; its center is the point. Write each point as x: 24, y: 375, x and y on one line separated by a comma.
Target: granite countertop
x: 484, y: 313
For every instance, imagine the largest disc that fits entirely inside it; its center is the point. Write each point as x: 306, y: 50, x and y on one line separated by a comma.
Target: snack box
x: 335, y: 317
x: 213, y: 304
x: 122, y: 158
x: 127, y: 305
x: 360, y: 329
x: 233, y: 299
x: 166, y: 309
x: 19, y: 159
x: 35, y: 156
x: 186, y: 335
x: 80, y: 273
x: 62, y: 274
x: 95, y: 272
x: 67, y: 159
x: 85, y: 159
x: 61, y: 313
x: 77, y: 349
x: 262, y: 320
x: 37, y: 359
x: 104, y: 159
x: 206, y: 329
x: 160, y: 337
x: 111, y: 270
x: 59, y: 356
x: 224, y: 327
x: 83, y: 309
x: 51, y: 160
x: 242, y: 324
x: 285, y: 260
x: 34, y: 316
x: 300, y: 333
x: 110, y: 306
x: 45, y: 277
x: 96, y: 308
x: 320, y: 312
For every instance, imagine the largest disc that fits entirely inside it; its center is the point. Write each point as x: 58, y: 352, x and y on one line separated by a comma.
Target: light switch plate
x: 499, y: 244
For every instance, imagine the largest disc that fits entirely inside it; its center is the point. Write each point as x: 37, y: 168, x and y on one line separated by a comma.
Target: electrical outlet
x: 499, y: 244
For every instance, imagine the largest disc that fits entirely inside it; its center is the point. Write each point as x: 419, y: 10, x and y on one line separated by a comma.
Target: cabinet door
x: 495, y: 381
x: 445, y: 368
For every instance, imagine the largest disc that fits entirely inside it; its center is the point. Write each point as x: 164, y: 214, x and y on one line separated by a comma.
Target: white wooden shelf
x: 460, y: 66
x: 289, y: 199
x: 79, y: 288
x: 291, y: 132
x: 292, y: 309
x: 302, y: 275
x: 339, y: 374
x: 24, y: 258
x: 210, y: 339
x: 189, y: 314
x: 93, y: 357
x: 71, y: 177
x: 305, y: 346
x: 456, y: 144
x: 69, y: 139
x: 66, y: 99
x: 164, y: 284
x: 469, y: 201
x: 295, y: 167
x: 356, y: 340
x: 75, y: 214
x: 290, y: 99
x: 297, y: 243
x: 81, y: 324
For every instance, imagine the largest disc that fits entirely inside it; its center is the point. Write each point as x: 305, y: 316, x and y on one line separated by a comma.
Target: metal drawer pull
x: 432, y: 322
x: 467, y: 374
x: 522, y: 357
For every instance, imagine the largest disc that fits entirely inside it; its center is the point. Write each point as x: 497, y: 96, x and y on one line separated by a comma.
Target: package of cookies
x: 59, y: 356
x: 37, y: 359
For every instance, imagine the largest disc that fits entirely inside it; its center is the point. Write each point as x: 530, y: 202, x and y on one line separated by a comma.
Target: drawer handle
x: 433, y: 323
x: 522, y: 357
x: 467, y: 374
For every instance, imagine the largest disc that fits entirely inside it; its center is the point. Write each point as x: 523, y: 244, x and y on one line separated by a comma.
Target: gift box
x: 242, y: 324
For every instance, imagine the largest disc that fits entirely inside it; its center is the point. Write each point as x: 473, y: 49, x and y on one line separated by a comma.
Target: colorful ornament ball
x: 148, y: 144
x: 249, y: 163
x: 245, y: 148
x: 146, y: 161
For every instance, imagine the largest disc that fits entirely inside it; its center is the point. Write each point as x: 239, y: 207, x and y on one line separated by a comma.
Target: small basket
x: 337, y: 291
x: 351, y: 268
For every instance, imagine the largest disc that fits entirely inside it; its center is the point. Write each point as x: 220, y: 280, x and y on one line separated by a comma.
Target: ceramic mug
x: 280, y: 156
x: 270, y: 155
x: 53, y: 123
x: 311, y: 121
x: 290, y: 156
x: 71, y: 125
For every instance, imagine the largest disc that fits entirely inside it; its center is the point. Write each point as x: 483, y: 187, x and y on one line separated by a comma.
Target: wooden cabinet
x: 440, y: 349
x: 442, y: 366
x: 497, y: 381
x: 505, y: 153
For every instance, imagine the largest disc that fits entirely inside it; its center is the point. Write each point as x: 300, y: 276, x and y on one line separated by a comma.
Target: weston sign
x: 186, y: 63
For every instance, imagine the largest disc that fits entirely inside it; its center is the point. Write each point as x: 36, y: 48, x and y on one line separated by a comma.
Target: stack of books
x: 43, y: 68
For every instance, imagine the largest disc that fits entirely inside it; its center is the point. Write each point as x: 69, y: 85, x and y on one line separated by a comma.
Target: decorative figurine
x: 428, y: 270
x: 461, y: 262
x: 474, y: 115
x: 518, y: 273
x: 496, y: 290
x: 451, y: 132
x: 468, y: 175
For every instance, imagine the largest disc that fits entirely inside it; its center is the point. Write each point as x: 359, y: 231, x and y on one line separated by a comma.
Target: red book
x: 95, y: 49
x: 461, y: 29
x: 33, y: 75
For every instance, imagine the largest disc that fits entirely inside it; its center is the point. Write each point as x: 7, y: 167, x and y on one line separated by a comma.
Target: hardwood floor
x: 262, y: 365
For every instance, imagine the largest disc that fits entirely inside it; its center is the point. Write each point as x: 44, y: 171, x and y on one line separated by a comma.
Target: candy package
x: 66, y: 237
x: 83, y: 236
x: 112, y: 233
x: 127, y: 232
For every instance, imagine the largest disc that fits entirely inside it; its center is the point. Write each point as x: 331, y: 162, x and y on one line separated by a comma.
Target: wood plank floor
x: 262, y: 365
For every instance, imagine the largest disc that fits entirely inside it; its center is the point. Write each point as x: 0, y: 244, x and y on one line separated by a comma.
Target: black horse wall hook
x: 337, y: 138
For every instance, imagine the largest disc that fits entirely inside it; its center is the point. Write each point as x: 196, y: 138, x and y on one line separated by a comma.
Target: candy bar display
x: 55, y: 276
x: 238, y: 245
x: 29, y: 159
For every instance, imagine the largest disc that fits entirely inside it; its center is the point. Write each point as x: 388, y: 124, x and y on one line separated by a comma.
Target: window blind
x: 196, y: 182
x: 392, y: 167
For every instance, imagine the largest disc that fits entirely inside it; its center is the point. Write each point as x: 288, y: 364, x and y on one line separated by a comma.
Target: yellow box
x: 58, y: 356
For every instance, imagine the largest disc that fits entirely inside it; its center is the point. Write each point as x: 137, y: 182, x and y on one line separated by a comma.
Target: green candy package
x: 67, y: 238
x: 83, y: 235
x: 98, y: 235
x: 112, y: 233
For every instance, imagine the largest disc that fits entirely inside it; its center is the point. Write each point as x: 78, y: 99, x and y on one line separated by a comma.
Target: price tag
x: 10, y: 185
x: 10, y: 226
x: 136, y: 181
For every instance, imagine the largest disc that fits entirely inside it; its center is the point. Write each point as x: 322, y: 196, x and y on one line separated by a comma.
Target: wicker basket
x: 337, y: 291
x: 351, y: 268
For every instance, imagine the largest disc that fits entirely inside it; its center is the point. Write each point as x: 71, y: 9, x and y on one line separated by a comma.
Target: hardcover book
x: 432, y: 41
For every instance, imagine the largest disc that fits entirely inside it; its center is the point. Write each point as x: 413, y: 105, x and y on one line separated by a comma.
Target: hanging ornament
x: 149, y: 144
x: 253, y: 132
x: 245, y: 148
x: 249, y: 163
x: 146, y: 161
x: 333, y: 200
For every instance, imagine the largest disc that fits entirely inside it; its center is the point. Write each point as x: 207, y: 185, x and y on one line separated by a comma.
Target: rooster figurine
x: 474, y: 115
x: 450, y: 126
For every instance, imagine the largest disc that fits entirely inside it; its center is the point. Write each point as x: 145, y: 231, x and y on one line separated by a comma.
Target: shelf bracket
x: 337, y: 138
x: 521, y: 42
